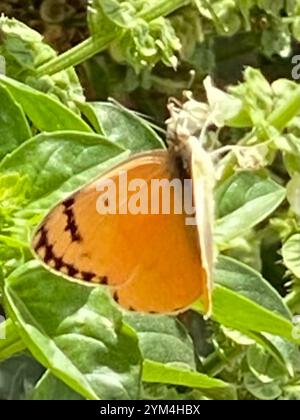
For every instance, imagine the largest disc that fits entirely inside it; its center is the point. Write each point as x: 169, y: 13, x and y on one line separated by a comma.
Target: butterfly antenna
x: 140, y: 115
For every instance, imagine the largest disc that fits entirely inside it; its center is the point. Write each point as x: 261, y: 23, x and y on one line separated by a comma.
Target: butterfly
x: 152, y: 261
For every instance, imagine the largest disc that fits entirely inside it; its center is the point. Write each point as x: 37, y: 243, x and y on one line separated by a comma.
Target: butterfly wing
x: 203, y: 183
x: 151, y: 262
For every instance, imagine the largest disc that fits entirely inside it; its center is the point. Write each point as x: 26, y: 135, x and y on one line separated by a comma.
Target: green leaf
x: 89, y: 112
x: 282, y: 351
x: 50, y: 388
x: 264, y: 366
x: 285, y: 353
x: 148, y: 43
x: 256, y: 95
x: 76, y: 332
x: 155, y: 372
x: 260, y: 390
x: 277, y: 41
x: 291, y: 392
x: 243, y: 201
x: 242, y: 279
x: 18, y: 377
x: 235, y: 311
x: 46, y: 113
x: 293, y: 192
x: 57, y: 163
x: 163, y: 339
x: 291, y: 254
x: 24, y: 50
x: 244, y: 301
x: 144, y: 37
x: 14, y: 128
x: 117, y: 12
x: 296, y: 28
x: 125, y: 128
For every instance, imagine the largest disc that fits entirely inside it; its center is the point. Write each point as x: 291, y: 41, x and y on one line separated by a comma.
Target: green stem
x: 82, y: 52
x: 214, y: 364
x: 219, y: 24
x: 95, y: 44
x: 162, y: 9
x: 279, y: 119
x: 289, y: 19
x: 10, y: 341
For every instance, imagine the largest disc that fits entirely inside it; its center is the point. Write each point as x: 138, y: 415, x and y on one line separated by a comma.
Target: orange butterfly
x: 152, y: 260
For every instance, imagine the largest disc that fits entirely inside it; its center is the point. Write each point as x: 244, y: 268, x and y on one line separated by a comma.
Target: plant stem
x: 214, y: 365
x: 219, y: 24
x: 279, y: 119
x: 289, y: 19
x: 82, y: 52
x: 162, y: 9
x: 95, y: 44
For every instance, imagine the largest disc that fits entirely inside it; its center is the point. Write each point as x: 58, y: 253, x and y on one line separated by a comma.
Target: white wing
x: 203, y: 174
x: 186, y: 119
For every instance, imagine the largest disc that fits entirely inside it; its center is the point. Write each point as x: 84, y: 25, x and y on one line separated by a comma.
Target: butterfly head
x: 187, y: 119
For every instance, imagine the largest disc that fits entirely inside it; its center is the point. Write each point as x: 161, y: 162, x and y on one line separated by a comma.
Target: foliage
x: 66, y: 340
